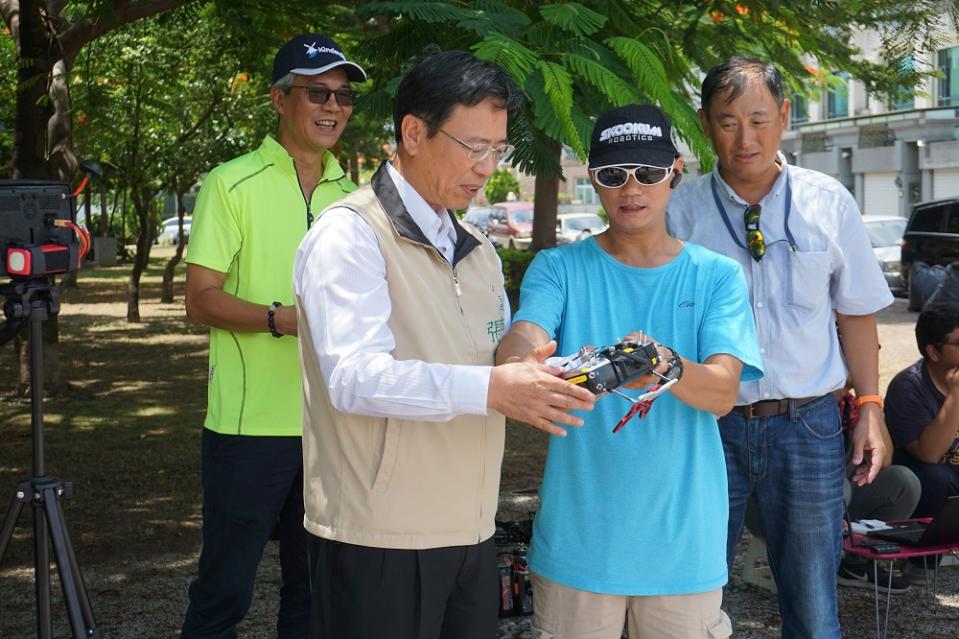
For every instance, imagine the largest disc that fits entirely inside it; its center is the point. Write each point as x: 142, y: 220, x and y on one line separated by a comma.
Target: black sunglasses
x: 321, y: 95
x: 614, y: 177
x: 754, y: 237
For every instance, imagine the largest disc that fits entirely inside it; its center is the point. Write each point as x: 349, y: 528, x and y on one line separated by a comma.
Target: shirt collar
x: 276, y: 154
x: 432, y: 224
x: 778, y: 189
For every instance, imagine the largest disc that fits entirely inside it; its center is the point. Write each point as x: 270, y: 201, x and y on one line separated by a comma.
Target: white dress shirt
x: 339, y: 275
x: 795, y: 290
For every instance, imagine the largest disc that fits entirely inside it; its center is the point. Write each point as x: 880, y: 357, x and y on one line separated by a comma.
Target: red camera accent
x: 19, y: 261
x: 46, y: 259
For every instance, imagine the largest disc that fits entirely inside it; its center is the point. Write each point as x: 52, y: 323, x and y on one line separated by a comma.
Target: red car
x: 511, y: 224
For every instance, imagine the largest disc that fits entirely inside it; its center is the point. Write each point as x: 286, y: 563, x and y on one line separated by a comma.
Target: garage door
x: 880, y: 194
x: 945, y: 183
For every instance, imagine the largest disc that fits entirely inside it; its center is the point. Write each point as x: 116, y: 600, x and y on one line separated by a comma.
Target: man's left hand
x: 868, y: 448
x: 645, y: 381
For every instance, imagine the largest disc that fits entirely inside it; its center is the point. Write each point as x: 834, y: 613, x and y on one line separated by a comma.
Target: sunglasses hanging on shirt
x: 755, y: 241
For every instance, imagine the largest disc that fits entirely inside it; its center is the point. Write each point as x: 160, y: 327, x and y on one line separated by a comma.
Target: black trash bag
x: 948, y: 290
x: 923, y: 282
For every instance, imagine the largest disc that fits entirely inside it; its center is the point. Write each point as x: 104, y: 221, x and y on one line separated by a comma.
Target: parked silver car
x: 170, y: 230
x: 885, y: 234
x: 573, y: 227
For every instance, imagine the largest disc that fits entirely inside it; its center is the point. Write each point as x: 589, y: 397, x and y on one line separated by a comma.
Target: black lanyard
x: 729, y: 225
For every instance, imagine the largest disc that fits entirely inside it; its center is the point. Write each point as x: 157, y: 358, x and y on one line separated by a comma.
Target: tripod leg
x: 10, y: 521
x: 55, y: 513
x: 68, y: 580
x: 41, y: 554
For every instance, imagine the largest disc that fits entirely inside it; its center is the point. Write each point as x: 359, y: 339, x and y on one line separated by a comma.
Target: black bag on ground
x: 948, y: 291
x: 923, y: 282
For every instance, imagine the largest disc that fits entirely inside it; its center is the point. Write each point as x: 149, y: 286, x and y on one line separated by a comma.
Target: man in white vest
x: 401, y: 309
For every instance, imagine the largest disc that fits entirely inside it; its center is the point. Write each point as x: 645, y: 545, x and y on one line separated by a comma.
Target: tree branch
x: 10, y: 11
x: 78, y: 34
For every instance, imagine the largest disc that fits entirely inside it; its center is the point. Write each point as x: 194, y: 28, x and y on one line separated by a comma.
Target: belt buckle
x: 750, y: 411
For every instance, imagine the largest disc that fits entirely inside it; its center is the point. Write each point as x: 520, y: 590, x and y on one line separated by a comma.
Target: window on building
x: 949, y: 83
x: 837, y: 98
x: 905, y: 97
x: 585, y: 192
x: 798, y: 109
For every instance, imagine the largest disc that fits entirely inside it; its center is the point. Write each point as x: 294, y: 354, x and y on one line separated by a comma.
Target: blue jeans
x: 792, y: 464
x: 251, y: 486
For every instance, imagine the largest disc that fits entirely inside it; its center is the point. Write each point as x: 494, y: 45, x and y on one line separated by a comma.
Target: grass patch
x: 127, y: 430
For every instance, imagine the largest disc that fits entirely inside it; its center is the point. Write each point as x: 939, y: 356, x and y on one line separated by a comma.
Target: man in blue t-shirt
x: 922, y: 409
x: 632, y: 525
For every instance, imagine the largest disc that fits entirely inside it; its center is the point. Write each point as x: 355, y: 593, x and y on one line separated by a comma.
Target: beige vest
x: 396, y: 483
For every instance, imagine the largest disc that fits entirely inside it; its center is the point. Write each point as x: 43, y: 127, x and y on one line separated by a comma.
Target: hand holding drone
x: 603, y: 370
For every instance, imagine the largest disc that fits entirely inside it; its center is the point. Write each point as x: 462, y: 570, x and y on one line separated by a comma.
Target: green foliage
x: 573, y: 17
x: 518, y: 60
x: 162, y: 112
x: 499, y: 185
x: 8, y: 87
x: 556, y: 54
x: 574, y: 60
x: 558, y: 86
x: 515, y: 263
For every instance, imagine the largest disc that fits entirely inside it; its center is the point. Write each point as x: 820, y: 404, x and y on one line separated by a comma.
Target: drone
x: 604, y: 370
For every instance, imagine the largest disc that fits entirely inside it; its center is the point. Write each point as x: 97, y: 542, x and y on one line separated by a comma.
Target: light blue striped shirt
x: 794, y: 291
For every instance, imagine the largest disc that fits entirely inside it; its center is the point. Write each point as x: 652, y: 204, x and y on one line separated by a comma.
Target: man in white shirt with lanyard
x: 799, y: 237
x: 401, y: 309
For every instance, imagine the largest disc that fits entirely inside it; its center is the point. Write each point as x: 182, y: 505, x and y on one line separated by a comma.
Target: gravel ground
x: 146, y: 598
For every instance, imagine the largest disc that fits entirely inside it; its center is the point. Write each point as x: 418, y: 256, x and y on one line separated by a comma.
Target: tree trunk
x: 143, y: 202
x: 113, y: 210
x: 41, y: 121
x: 354, y: 166
x: 166, y: 294
x: 32, y: 110
x: 545, y: 201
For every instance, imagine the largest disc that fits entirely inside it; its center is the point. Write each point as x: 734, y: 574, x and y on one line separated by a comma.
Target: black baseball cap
x: 313, y: 54
x: 633, y: 134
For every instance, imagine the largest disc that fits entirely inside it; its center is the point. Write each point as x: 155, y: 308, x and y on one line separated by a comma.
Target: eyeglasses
x: 479, y: 152
x: 754, y: 237
x: 615, y: 177
x: 321, y: 94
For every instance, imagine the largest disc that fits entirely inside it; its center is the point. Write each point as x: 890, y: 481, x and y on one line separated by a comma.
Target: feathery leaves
x: 573, y: 17
x: 515, y: 58
x: 558, y: 85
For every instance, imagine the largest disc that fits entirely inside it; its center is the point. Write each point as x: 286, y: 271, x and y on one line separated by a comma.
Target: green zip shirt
x: 250, y: 217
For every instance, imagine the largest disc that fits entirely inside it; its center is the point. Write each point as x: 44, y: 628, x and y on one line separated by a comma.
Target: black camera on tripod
x: 39, y: 236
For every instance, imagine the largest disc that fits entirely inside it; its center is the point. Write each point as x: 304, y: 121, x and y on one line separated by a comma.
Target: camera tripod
x: 34, y: 302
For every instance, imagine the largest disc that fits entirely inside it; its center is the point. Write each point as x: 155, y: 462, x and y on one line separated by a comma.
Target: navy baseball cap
x: 633, y: 134
x: 313, y: 54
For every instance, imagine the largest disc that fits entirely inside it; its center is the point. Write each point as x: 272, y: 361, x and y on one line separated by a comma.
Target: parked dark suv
x: 932, y: 235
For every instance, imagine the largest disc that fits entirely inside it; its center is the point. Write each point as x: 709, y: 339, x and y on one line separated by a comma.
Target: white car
x: 885, y: 235
x: 573, y: 227
x: 170, y: 230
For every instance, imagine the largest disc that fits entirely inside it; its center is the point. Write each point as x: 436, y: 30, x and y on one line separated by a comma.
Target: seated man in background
x: 891, y: 496
x: 922, y: 409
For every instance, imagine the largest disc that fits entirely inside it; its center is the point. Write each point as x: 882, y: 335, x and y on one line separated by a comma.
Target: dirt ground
x: 127, y: 430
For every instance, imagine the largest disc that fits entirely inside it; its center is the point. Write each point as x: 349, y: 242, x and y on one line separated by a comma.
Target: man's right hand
x: 529, y: 391
x: 952, y: 380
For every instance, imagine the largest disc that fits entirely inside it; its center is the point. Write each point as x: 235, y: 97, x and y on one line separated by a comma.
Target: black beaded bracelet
x: 675, y: 362
x: 271, y: 319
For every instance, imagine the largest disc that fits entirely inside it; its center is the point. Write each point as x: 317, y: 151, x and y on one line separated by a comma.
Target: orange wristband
x: 873, y: 399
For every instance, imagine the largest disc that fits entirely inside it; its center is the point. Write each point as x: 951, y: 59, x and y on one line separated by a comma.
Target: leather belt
x: 771, y: 407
